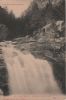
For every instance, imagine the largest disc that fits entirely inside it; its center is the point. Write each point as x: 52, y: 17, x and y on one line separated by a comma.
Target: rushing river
x: 27, y: 74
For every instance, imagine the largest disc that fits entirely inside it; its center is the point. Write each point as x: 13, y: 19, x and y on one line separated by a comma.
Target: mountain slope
x: 36, y: 17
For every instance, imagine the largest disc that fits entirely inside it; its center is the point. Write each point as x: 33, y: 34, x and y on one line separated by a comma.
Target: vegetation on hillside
x: 33, y: 19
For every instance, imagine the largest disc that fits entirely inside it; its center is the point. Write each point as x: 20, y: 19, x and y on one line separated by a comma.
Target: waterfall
x: 27, y: 74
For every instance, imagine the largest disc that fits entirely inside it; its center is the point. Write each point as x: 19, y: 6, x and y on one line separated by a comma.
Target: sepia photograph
x: 32, y: 50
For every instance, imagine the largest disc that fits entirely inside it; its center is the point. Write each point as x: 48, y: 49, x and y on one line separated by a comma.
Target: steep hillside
x: 42, y: 12
x: 48, y: 40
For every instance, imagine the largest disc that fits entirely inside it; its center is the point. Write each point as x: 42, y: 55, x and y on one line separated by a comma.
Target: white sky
x: 17, y: 6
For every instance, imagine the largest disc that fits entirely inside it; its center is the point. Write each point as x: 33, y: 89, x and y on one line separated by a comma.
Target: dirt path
x: 28, y: 75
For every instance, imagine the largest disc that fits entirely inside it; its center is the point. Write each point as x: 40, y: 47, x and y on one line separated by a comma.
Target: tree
x: 3, y: 32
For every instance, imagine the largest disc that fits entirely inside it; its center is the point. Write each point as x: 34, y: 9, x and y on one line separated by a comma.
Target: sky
x: 17, y: 6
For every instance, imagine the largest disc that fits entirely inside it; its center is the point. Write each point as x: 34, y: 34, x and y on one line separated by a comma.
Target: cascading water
x: 28, y: 75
